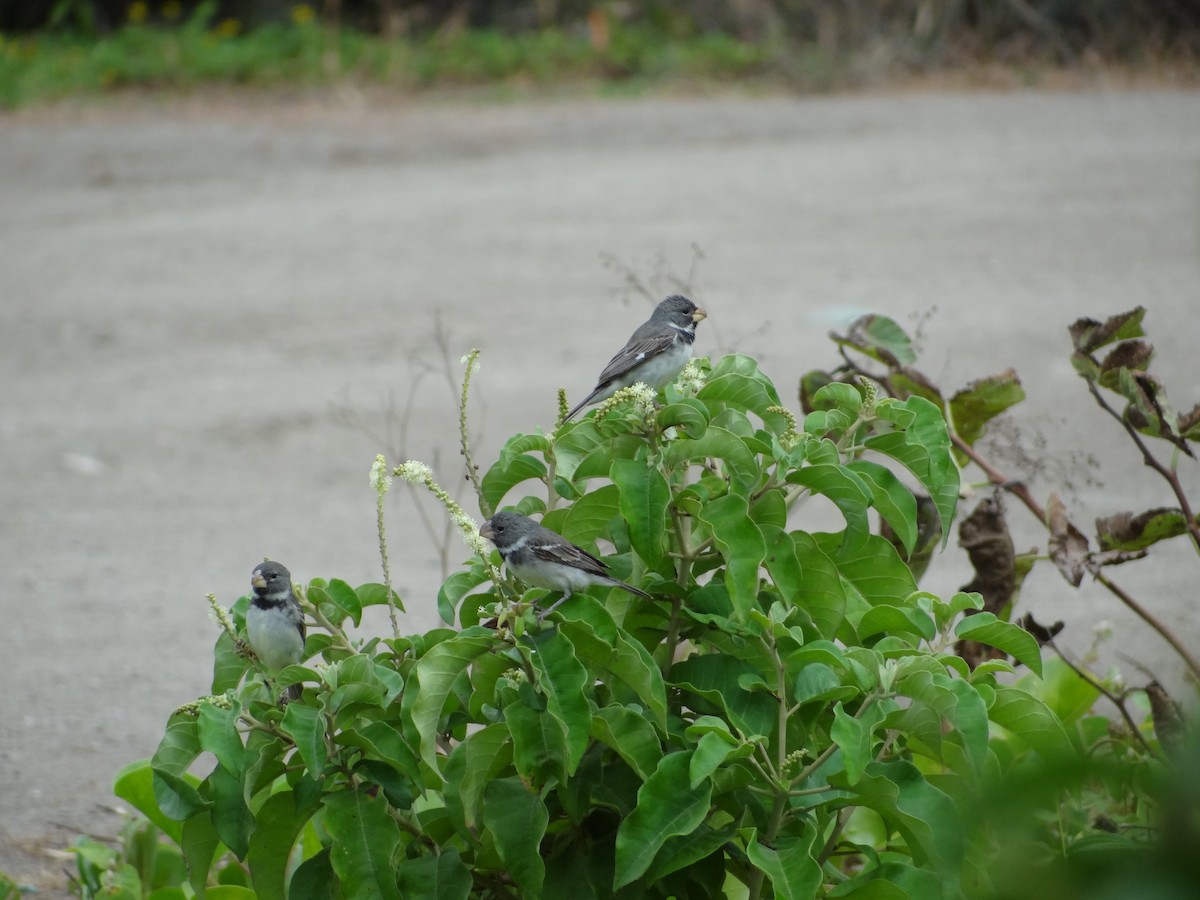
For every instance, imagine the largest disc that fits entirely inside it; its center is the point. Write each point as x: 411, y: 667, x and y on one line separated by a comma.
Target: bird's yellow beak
x: 257, y: 581
x: 699, y: 315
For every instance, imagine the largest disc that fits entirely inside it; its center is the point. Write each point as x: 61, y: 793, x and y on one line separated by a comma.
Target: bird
x: 542, y: 558
x: 654, y: 354
x: 275, y: 622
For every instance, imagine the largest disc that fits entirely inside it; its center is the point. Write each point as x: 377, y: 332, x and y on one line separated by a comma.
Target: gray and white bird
x: 542, y: 558
x: 275, y: 622
x: 654, y: 354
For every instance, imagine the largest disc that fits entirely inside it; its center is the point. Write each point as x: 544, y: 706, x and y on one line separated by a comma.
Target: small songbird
x: 275, y: 622
x: 654, y: 354
x: 544, y: 559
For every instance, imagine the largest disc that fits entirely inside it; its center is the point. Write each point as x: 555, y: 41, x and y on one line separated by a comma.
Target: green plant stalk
x: 464, y: 441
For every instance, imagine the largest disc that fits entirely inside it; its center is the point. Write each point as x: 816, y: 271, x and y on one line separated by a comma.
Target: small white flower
x: 472, y: 361
x: 414, y: 472
x: 381, y: 478
x: 1102, y: 630
x: 691, y: 379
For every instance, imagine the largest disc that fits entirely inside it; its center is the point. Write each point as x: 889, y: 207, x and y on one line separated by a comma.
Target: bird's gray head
x: 506, y: 528
x: 269, y: 578
x: 679, y: 311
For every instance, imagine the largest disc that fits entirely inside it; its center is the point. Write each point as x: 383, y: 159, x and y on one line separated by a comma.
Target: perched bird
x: 544, y: 559
x: 654, y: 354
x: 274, y: 621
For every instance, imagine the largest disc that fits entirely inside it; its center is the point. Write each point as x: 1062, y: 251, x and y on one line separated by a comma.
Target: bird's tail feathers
x: 629, y: 587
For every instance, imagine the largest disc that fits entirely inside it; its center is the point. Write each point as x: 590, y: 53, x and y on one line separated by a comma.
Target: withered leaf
x: 1133, y: 355
x: 1043, y: 634
x: 984, y: 535
x: 1125, y: 531
x: 1068, y: 546
x: 1088, y: 334
x: 983, y: 400
x: 1189, y: 424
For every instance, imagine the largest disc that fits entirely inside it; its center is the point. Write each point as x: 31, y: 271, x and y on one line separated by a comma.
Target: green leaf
x: 644, y: 495
x: 1031, y: 720
x: 588, y: 517
x: 981, y: 401
x: 174, y: 789
x: 346, y: 600
x: 721, y: 444
x: 230, y: 815
x: 896, y: 620
x: 564, y: 680
x: 436, y: 673
x: 517, y: 821
x: 631, y: 735
x: 374, y: 594
x: 853, y: 737
x: 872, y: 566
x: 880, y: 338
x: 895, y: 502
x: 820, y: 590
x: 689, y: 417
x: 742, y: 546
x: 971, y: 722
x: 1012, y: 639
x: 365, y: 841
x: 454, y: 588
x: 667, y: 805
x: 228, y: 665
x: 923, y: 815
x: 790, y: 866
x: 440, y: 877
x: 1125, y: 531
x: 716, y: 678
x: 217, y: 729
x: 305, y: 726
x: 278, y: 825
x: 845, y: 488
x: 539, y: 742
x: 483, y: 754
x: 135, y: 785
x: 380, y: 741
x: 712, y: 749
x: 507, y: 474
x: 199, y: 843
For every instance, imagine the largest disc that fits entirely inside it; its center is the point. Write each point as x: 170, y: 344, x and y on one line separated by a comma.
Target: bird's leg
x: 555, y: 605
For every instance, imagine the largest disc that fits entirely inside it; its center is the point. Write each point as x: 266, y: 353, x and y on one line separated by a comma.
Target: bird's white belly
x: 275, y: 639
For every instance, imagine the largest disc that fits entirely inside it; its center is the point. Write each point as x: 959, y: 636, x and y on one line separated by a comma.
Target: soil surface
x: 215, y: 314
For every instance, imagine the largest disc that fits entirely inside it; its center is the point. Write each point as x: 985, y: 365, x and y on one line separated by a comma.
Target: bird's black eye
x: 499, y: 529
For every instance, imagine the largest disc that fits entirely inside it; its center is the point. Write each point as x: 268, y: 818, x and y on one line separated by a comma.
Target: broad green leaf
x: 689, y: 417
x: 539, y: 742
x: 790, y: 866
x: 306, y: 727
x: 683, y: 850
x: 880, y: 338
x: 1031, y: 720
x: 631, y: 735
x: 454, y: 588
x: 228, y: 665
x: 923, y: 815
x: 723, y: 445
x: 711, y: 750
x: 872, y: 566
x: 895, y: 503
x: 199, y: 843
x: 716, y: 678
x: 365, y: 839
x: 278, y: 824
x: 971, y: 722
x: 644, y: 496
x: 381, y: 741
x: 743, y: 392
x: 472, y: 766
x: 845, y: 488
x: 314, y: 878
x: 975, y: 405
x: 231, y: 817
x: 564, y: 680
x: 588, y: 517
x: 667, y: 805
x: 742, y: 546
x: 135, y: 785
x: 174, y: 789
x: 374, y: 594
x: 818, y: 682
x: 440, y: 877
x: 346, y: 599
x: 853, y: 736
x: 436, y: 673
x: 894, y: 620
x: 1012, y: 639
x: 219, y: 735
x: 507, y: 474
x: 821, y: 593
x: 517, y: 821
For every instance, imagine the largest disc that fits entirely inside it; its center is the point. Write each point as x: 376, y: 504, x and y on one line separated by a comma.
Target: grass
x: 51, y: 66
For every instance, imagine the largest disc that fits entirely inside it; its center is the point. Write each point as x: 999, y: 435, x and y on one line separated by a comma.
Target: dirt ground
x: 212, y: 316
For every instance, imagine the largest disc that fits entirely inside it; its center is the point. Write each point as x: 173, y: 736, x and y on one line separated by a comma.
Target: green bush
x: 787, y: 718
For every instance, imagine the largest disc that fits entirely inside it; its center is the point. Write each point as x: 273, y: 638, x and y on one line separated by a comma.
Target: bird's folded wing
x: 634, y: 353
x: 568, y: 554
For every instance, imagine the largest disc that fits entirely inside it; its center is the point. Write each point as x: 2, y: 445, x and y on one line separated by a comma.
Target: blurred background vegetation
x: 54, y: 48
